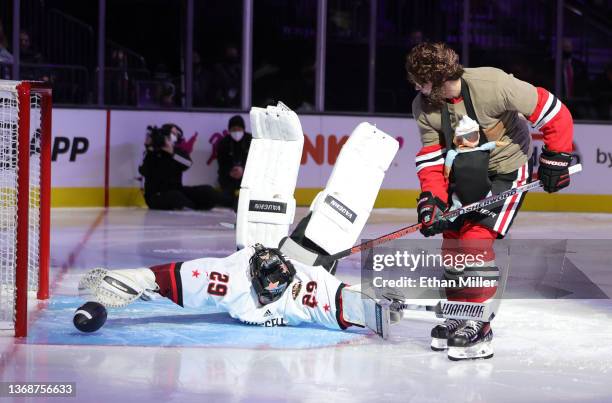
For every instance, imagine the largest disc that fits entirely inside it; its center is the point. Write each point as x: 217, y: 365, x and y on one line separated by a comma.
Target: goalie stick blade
x: 361, y: 309
x: 383, y: 320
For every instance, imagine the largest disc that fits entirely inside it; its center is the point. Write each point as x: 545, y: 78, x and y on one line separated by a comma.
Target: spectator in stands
x: 27, y: 52
x: 162, y: 169
x: 266, y: 80
x: 304, y: 87
x: 227, y: 77
x: 232, y: 152
x: 5, y: 56
x: 574, y: 72
x: 166, y: 98
x: 118, y: 59
x: 166, y: 88
x: 201, y: 82
x: 29, y: 55
x: 602, y: 94
x: 117, y: 81
x: 574, y: 82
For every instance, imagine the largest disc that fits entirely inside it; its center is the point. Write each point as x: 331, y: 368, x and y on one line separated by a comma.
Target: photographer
x: 232, y: 156
x: 163, y: 168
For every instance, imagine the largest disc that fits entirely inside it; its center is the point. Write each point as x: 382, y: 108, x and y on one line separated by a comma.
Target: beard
x: 435, y: 99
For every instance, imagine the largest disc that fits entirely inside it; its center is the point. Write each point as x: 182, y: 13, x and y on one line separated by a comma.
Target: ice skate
x: 442, y: 332
x: 471, y: 341
x: 117, y: 288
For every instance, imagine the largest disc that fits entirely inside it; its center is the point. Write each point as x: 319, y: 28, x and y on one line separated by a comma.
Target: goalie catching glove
x: 117, y: 288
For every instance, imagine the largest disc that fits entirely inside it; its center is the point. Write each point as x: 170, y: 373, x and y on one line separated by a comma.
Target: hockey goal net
x: 25, y: 162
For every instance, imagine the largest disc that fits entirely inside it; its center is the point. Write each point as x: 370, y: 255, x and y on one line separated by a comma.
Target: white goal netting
x: 9, y: 173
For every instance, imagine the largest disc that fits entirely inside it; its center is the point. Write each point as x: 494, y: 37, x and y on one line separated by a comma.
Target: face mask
x: 237, y: 135
x: 173, y: 138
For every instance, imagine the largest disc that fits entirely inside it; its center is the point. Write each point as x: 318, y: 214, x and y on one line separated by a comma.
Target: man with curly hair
x: 502, y: 106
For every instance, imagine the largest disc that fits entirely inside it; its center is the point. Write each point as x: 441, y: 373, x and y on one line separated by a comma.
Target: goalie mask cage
x: 25, y: 176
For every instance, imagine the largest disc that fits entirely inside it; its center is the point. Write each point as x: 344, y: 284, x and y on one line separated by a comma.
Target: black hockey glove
x: 429, y: 209
x: 554, y: 170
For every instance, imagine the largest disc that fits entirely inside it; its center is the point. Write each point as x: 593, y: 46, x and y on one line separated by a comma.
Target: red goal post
x: 25, y: 197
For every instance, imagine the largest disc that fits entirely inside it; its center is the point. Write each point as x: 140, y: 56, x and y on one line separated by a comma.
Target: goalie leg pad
x: 266, y: 205
x: 340, y: 211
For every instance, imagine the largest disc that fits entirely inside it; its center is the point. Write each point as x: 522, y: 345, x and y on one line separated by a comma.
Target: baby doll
x: 467, y: 137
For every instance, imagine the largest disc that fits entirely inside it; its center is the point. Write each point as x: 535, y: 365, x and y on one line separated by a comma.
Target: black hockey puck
x: 89, y: 317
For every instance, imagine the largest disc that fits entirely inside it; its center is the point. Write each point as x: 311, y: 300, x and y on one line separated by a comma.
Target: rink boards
x: 96, y: 154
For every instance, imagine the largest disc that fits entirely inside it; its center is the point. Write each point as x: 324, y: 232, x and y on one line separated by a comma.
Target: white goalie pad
x: 340, y: 211
x: 266, y: 205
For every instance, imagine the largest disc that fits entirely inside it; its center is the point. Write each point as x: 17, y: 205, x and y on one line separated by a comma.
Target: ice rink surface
x: 545, y: 350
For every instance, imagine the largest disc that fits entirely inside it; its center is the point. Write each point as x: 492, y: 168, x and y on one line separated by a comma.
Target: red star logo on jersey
x: 272, y: 285
x: 326, y: 307
x: 195, y: 273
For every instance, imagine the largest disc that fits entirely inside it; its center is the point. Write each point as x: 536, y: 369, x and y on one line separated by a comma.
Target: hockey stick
x: 448, y: 215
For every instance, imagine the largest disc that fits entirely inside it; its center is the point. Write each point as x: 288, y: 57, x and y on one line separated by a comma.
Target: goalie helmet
x: 270, y: 272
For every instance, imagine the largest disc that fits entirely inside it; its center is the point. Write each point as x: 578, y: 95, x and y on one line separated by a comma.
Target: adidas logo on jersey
x: 267, y: 313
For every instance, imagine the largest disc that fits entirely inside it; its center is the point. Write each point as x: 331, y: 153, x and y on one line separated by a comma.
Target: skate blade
x: 439, y: 344
x: 480, y: 351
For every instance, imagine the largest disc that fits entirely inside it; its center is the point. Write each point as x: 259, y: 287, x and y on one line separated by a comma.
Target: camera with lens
x: 157, y: 136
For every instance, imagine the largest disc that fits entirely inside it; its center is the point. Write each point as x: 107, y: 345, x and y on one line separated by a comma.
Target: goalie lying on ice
x: 255, y: 285
x: 261, y: 285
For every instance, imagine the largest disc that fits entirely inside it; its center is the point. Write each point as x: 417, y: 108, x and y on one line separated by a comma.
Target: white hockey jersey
x: 314, y: 296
